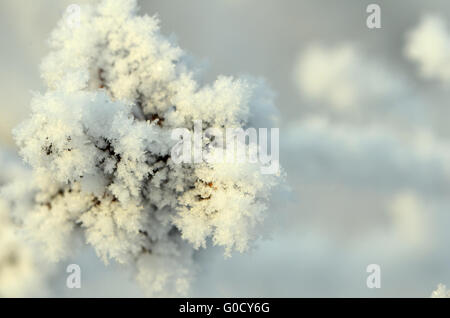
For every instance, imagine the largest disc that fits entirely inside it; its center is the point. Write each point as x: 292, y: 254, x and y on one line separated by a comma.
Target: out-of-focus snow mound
x: 22, y: 272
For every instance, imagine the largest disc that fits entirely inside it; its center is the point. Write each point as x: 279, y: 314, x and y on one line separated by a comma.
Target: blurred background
x: 364, y: 135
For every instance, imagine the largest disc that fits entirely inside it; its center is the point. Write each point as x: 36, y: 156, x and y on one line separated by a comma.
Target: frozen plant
x: 441, y: 292
x: 20, y: 273
x: 99, y: 142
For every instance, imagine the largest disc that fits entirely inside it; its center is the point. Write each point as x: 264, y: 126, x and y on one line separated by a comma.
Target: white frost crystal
x: 99, y: 142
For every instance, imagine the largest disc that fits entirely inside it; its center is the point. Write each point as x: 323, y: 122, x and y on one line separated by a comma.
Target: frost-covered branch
x: 99, y: 142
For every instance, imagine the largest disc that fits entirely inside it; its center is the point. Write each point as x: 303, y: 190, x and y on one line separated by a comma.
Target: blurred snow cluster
x: 21, y: 272
x: 378, y: 134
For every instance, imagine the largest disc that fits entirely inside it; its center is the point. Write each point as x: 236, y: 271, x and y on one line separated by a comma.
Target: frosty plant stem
x: 99, y: 142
